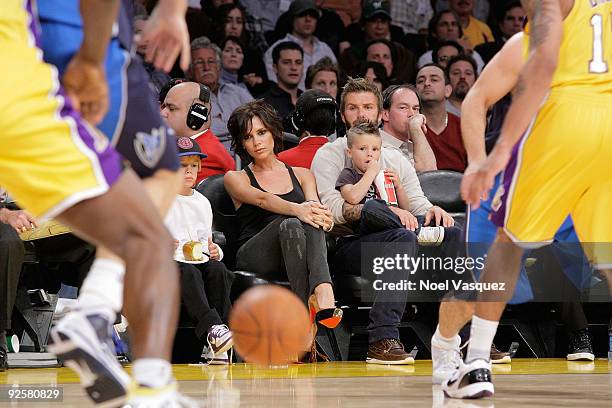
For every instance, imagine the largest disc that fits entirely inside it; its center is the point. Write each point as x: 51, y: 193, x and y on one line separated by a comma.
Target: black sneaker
x: 580, y: 347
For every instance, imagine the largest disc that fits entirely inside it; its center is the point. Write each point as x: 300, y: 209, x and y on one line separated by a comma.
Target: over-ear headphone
x: 315, y: 100
x: 197, y: 115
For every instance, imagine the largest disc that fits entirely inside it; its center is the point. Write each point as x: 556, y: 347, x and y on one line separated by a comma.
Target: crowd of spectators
x: 275, y: 50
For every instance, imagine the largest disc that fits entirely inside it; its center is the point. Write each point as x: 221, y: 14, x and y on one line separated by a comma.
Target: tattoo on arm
x: 351, y: 212
x: 544, y: 12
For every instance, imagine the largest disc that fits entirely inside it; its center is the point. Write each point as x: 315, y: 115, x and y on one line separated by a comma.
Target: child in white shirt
x: 205, y: 281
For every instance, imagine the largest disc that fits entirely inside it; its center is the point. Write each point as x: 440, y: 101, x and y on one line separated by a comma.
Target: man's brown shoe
x: 499, y: 357
x: 388, y: 351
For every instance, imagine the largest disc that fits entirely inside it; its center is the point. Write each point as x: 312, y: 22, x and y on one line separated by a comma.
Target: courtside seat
x: 442, y: 188
x: 348, y: 289
x: 225, y: 219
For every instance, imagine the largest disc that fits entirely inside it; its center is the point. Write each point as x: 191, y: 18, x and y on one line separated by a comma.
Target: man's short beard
x: 361, y: 120
x: 460, y: 93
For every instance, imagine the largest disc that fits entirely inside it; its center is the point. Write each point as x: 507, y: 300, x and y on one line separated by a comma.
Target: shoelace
x: 219, y: 330
x: 451, y: 356
x: 393, y: 344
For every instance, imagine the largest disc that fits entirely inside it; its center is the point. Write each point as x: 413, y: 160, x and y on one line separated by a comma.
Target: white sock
x: 102, y: 290
x: 481, y: 339
x: 152, y: 372
x: 447, y: 342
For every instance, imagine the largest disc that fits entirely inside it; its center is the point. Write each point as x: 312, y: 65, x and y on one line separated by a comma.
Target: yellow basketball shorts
x: 50, y: 159
x: 561, y: 166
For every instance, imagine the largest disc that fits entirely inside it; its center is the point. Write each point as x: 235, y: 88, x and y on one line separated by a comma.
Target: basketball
x: 270, y: 324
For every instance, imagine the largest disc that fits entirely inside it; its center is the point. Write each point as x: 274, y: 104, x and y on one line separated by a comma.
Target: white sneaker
x: 219, y: 339
x: 84, y: 344
x: 430, y: 236
x: 444, y: 360
x: 472, y: 380
x: 163, y: 397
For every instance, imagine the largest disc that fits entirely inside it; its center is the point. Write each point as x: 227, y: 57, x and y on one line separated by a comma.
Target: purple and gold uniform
x: 50, y: 159
x: 562, y: 165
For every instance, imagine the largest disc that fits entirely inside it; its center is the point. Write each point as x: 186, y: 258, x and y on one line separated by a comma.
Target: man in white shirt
x: 404, y: 126
x: 360, y: 101
x: 411, y: 15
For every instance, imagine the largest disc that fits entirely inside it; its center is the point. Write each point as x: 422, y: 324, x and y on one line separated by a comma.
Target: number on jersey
x: 598, y: 65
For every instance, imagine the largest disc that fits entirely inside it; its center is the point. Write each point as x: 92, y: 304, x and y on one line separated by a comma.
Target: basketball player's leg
x: 503, y: 265
x: 525, y: 218
x: 445, y: 342
x: 68, y: 178
x: 138, y: 236
x: 105, y: 279
x: 472, y: 379
x: 455, y: 312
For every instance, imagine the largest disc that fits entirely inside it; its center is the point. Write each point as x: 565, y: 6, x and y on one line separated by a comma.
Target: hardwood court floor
x: 524, y: 383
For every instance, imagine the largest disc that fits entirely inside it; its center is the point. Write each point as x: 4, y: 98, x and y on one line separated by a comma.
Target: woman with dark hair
x: 445, y: 26
x: 230, y: 22
x: 282, y: 222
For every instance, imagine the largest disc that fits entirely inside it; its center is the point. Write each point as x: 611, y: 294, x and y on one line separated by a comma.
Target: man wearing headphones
x: 315, y: 119
x: 187, y: 110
